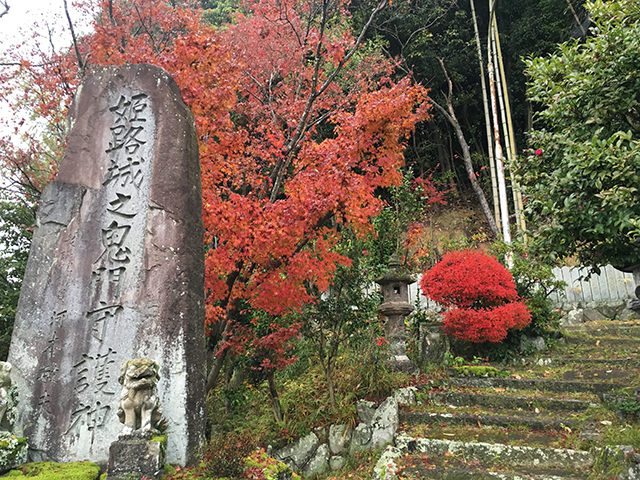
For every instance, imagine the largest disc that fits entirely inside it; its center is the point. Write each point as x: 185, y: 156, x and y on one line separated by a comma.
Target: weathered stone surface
x: 115, y: 271
x: 339, y: 438
x: 134, y: 457
x: 632, y: 311
x: 361, y: 438
x: 385, y: 423
x: 532, y: 344
x: 13, y: 451
x: 402, y: 363
x: 593, y: 315
x: 433, y: 344
x: 337, y: 462
x: 8, y: 399
x: 298, y: 454
x: 572, y: 318
x: 139, y: 408
x: 386, y: 467
x: 319, y: 463
x: 365, y: 410
x: 406, y: 396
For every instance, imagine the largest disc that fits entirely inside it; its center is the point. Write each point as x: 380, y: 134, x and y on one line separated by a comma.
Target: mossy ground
x: 57, y: 471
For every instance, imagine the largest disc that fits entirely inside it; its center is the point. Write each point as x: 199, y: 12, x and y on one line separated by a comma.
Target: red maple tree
x: 480, y: 294
x: 297, y: 126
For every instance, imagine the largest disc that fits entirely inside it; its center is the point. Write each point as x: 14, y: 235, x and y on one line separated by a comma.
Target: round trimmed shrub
x: 480, y: 294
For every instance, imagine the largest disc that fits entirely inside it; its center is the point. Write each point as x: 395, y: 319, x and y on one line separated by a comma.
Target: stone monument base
x: 402, y: 363
x: 135, y: 456
x: 13, y: 451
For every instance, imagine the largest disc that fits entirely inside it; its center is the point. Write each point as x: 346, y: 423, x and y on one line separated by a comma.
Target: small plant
x: 453, y: 361
x: 225, y: 455
x: 260, y: 466
x: 628, y: 407
x: 480, y: 294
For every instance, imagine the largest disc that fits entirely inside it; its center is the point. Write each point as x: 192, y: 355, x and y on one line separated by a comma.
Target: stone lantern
x: 395, y: 307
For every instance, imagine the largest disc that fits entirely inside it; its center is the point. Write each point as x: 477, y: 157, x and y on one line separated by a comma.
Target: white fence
x: 610, y: 285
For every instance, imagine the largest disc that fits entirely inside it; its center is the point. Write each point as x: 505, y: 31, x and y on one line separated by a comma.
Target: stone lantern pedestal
x: 395, y: 291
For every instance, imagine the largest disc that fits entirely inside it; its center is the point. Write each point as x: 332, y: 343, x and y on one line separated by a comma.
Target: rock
x: 322, y: 434
x: 337, y: 462
x: 319, y: 463
x: 631, y: 313
x: 572, y: 318
x: 365, y: 410
x: 406, y: 396
x: 339, y: 438
x: 610, y: 309
x: 13, y: 451
x: 593, y: 315
x: 532, y: 345
x: 298, y: 453
x: 361, y: 438
x: 384, y: 423
x: 115, y: 271
x: 634, y: 304
x: 386, y: 468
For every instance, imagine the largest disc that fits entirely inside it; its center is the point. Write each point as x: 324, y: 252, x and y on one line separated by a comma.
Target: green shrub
x: 225, y: 455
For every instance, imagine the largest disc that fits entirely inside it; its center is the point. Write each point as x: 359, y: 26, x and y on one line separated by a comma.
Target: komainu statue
x: 8, y: 398
x: 140, y: 408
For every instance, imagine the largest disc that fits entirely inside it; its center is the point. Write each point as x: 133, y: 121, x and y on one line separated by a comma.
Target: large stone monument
x: 116, y: 271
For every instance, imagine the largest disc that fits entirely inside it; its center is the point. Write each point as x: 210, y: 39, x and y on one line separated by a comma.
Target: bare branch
x: 6, y: 7
x: 144, y: 26
x: 450, y: 115
x: 81, y: 64
x: 577, y: 19
x: 303, y: 125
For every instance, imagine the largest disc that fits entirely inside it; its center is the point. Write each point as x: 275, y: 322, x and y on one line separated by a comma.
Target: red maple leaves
x: 480, y: 293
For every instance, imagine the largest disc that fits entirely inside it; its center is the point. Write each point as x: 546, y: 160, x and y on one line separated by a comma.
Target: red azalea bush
x: 481, y: 296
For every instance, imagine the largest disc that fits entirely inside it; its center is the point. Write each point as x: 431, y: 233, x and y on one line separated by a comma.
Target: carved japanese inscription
x: 115, y: 271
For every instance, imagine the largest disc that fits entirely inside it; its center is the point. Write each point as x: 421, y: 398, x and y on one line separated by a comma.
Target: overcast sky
x: 18, y: 24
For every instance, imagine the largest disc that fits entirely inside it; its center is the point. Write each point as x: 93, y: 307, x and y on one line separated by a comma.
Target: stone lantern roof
x: 395, y: 274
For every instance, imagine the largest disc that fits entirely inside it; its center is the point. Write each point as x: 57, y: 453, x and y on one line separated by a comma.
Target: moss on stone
x: 57, y: 471
x: 477, y: 371
x: 267, y: 467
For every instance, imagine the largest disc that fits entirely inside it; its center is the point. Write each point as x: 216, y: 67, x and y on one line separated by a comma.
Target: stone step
x: 613, y: 329
x: 462, y: 399
x: 423, y: 468
x: 513, y: 420
x: 488, y: 454
x: 603, y: 342
x: 558, y: 386
x: 558, y: 361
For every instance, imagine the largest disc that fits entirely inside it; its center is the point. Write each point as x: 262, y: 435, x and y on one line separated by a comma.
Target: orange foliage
x: 295, y: 135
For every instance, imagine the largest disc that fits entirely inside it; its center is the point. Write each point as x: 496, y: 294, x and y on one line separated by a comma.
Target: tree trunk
x: 275, y: 400
x: 466, y: 154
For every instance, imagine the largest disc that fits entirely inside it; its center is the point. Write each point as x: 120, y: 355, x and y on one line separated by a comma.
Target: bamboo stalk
x: 487, y: 119
x: 517, y: 194
x: 503, y: 119
x: 502, y: 187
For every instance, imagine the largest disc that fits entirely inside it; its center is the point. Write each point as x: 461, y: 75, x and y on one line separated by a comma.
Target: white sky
x: 23, y: 13
x: 18, y: 25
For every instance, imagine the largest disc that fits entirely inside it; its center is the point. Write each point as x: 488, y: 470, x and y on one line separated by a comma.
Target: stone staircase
x: 565, y: 415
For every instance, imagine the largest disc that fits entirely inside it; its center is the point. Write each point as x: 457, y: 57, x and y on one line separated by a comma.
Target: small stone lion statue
x: 140, y: 408
x: 7, y: 398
